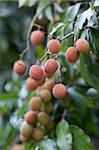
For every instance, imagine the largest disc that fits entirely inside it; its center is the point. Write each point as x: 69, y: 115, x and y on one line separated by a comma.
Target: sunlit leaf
x: 96, y: 3
x: 47, y: 144
x: 63, y: 135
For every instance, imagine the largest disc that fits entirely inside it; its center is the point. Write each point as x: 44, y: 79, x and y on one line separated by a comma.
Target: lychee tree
x: 62, y: 84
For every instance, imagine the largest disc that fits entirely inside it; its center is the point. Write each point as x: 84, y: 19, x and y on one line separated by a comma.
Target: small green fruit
x: 45, y: 95
x: 43, y: 118
x: 38, y: 134
x: 26, y: 130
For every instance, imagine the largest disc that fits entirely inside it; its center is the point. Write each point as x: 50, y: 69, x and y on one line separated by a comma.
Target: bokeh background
x: 14, y: 24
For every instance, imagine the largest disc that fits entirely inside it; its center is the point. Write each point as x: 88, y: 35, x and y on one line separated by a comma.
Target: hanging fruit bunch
x: 45, y: 78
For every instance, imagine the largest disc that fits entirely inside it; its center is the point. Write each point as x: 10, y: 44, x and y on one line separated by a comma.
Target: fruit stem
x: 67, y: 35
x: 43, y: 57
x: 23, y: 52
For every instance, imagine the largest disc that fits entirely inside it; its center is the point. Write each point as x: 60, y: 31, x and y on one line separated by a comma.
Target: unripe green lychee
x: 45, y: 95
x: 35, y: 103
x: 49, y: 83
x: 43, y: 118
x: 48, y: 108
x: 50, y: 126
x: 38, y: 134
x: 26, y: 130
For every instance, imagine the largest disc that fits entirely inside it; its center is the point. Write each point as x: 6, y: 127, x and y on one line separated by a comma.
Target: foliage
x: 82, y: 77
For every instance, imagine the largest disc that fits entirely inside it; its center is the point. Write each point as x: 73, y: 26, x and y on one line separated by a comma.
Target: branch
x: 30, y: 28
x: 33, y: 22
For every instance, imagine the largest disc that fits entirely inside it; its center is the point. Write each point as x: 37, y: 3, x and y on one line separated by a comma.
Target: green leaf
x: 48, y: 13
x: 66, y: 69
x: 7, y: 135
x: 80, y: 139
x: 29, y: 146
x: 9, y: 95
x: 39, y: 51
x: 47, y: 144
x: 89, y: 71
x: 63, y: 135
x: 23, y: 3
x: 56, y: 27
x: 96, y: 3
x: 86, y: 15
x: 42, y: 5
x: 80, y: 96
x: 32, y: 2
x: 58, y: 8
x: 72, y: 11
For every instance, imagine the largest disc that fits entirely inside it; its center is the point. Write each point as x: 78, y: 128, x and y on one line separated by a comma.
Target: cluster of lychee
x: 80, y: 46
x: 38, y: 120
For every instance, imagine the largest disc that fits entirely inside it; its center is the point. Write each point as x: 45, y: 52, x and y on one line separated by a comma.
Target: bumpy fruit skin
x: 37, y: 37
x: 35, y: 103
x: 31, y: 117
x: 43, y: 118
x: 31, y: 84
x: 42, y: 80
x: 72, y: 54
x: 19, y: 67
x: 45, y: 95
x: 59, y: 91
x: 49, y: 84
x: 36, y: 72
x: 24, y: 138
x: 82, y: 45
x: 54, y: 46
x: 50, y: 66
x: 38, y: 134
x: 26, y: 130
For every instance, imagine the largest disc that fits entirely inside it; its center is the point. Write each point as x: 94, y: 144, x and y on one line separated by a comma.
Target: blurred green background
x: 14, y: 23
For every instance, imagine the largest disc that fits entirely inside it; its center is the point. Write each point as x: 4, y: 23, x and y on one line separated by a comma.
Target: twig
x: 53, y: 36
x: 64, y: 114
x: 43, y: 57
x: 34, y: 20
x: 23, y: 52
x: 30, y: 28
x: 67, y: 35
